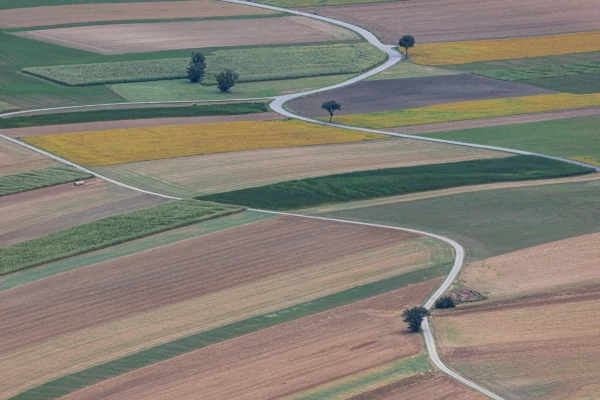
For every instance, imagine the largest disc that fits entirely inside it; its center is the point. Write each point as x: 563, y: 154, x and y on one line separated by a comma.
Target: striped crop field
x: 447, y: 53
x: 472, y: 110
x: 5, y: 107
x: 118, y: 146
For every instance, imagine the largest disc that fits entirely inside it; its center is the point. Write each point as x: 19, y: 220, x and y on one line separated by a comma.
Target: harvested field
x: 451, y: 20
x: 549, y: 266
x: 135, y: 123
x: 28, y: 215
x: 399, y: 94
x: 120, y: 146
x: 497, y: 121
x: 82, y: 13
x: 521, y: 349
x: 266, y: 268
x: 214, y: 173
x: 15, y: 159
x: 283, y: 359
x: 139, y: 38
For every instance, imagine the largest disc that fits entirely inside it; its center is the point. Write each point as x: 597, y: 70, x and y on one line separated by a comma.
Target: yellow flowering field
x: 471, y: 110
x: 119, y: 146
x: 505, y: 49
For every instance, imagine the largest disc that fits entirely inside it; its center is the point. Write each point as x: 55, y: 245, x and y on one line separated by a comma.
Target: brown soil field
x: 526, y: 348
x: 27, y: 215
x: 81, y: 13
x: 135, y: 123
x: 495, y: 121
x: 283, y: 359
x: 214, y: 173
x: 427, y: 386
x: 80, y: 349
x: 458, y: 20
x: 558, y: 264
x: 15, y: 159
x: 399, y: 94
x: 138, y: 38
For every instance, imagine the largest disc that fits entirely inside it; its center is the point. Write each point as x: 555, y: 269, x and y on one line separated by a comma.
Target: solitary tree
x: 406, y: 41
x: 226, y: 80
x: 445, y: 302
x: 414, y: 317
x: 331, y: 106
x: 196, y: 69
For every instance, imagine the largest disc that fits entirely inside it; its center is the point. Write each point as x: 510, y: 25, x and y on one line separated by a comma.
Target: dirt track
x: 135, y: 123
x: 280, y: 360
x: 458, y: 20
x: 139, y: 38
x: 79, y: 13
x: 399, y: 94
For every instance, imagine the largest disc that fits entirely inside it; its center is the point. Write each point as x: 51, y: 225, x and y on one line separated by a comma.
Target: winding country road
x: 278, y: 105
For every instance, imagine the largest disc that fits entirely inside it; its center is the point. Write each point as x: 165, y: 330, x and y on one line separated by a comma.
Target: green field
x: 68, y: 384
x: 365, y: 185
x: 5, y: 107
x: 408, y: 69
x: 574, y: 138
x: 133, y: 113
x: 7, y: 4
x: 314, y: 3
x: 108, y: 232
x: 493, y: 222
x: 252, y: 64
x: 40, y: 178
x: 179, y: 90
x: 579, y: 84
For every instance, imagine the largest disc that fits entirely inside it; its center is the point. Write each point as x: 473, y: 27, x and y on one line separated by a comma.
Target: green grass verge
x: 252, y: 64
x: 179, y: 90
x: 365, y: 185
x: 40, y: 178
x: 29, y: 275
x: 494, y: 222
x: 575, y: 138
x: 578, y: 84
x: 70, y: 383
x: 108, y: 232
x: 133, y: 113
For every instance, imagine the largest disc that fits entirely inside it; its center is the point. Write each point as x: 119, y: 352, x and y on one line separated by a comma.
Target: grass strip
x: 547, y: 71
x: 108, y: 232
x: 363, y: 185
x: 40, y: 178
x: 29, y: 275
x: 78, y: 380
x: 5, y: 107
x: 134, y: 113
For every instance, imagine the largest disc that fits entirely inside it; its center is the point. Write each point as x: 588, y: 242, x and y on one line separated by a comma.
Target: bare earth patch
x: 400, y: 94
x: 458, y: 20
x: 283, y: 359
x: 214, y: 173
x: 496, y: 121
x: 80, y: 13
x: 27, y: 215
x: 139, y: 38
x: 557, y: 264
x: 135, y: 123
x: 15, y: 159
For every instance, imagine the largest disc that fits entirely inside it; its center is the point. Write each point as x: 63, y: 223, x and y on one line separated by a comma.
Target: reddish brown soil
x: 135, y: 123
x: 283, y: 359
x: 399, y: 94
x: 136, y: 38
x: 79, y: 13
x: 456, y: 20
x: 496, y: 121
x: 428, y: 386
x: 175, y: 273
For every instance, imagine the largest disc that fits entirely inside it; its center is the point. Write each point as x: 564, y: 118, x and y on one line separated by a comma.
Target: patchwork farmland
x: 148, y: 247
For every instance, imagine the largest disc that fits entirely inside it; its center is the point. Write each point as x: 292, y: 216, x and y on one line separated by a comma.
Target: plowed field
x: 139, y: 38
x: 28, y: 215
x: 283, y: 359
x: 523, y: 349
x: 15, y: 159
x: 450, y: 20
x: 214, y: 173
x: 79, y: 13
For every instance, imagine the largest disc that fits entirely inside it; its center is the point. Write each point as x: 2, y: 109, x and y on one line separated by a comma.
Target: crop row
x: 40, y: 178
x: 549, y: 71
x: 253, y: 64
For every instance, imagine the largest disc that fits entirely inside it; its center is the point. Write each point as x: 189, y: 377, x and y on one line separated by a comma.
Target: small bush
x: 445, y: 302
